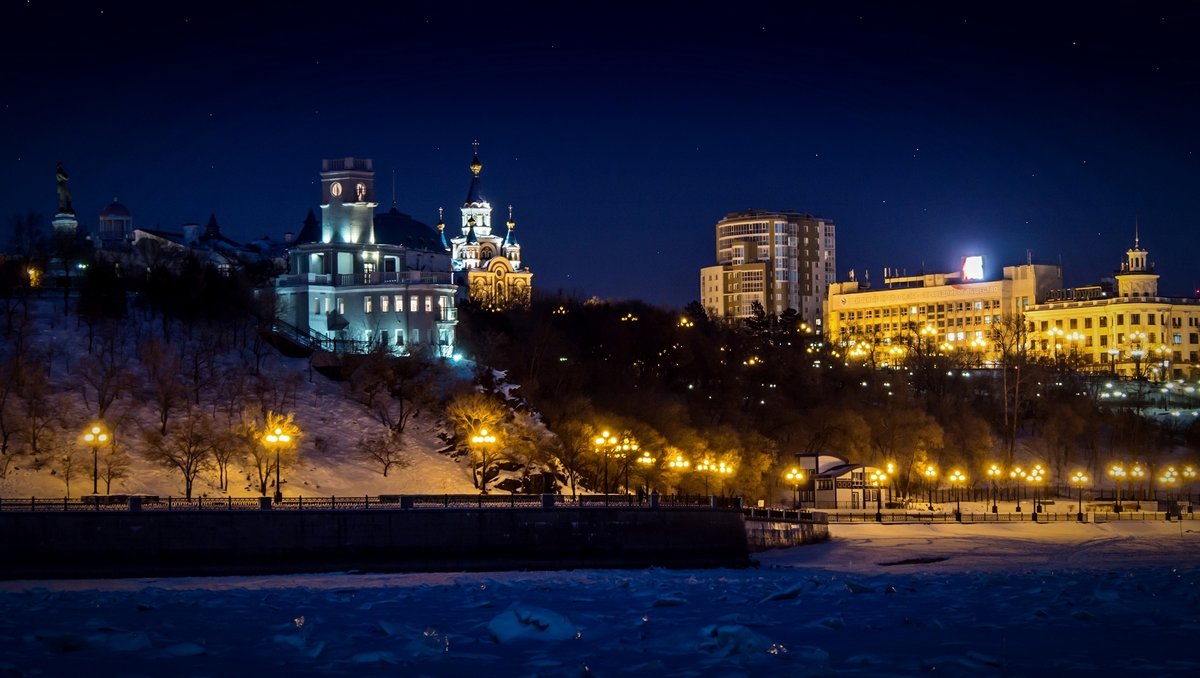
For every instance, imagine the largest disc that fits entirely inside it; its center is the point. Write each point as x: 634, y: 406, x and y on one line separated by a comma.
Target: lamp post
x: 604, y: 442
x: 1017, y: 474
x: 994, y: 472
x: 485, y: 440
x: 930, y: 476
x: 878, y: 478
x: 94, y: 437
x: 795, y: 477
x: 1056, y: 335
x: 625, y: 451
x: 1079, y: 480
x: 275, y: 440
x: 1169, y: 479
x: 957, y: 480
x: 1117, y: 472
x: 1037, y: 474
x: 1189, y: 474
x: 1135, y: 475
x: 646, y: 462
x: 709, y: 466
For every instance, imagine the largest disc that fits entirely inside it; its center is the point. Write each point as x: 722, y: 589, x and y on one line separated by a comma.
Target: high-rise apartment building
x: 781, y: 260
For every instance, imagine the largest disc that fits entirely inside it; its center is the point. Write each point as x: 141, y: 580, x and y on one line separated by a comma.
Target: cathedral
x: 487, y: 264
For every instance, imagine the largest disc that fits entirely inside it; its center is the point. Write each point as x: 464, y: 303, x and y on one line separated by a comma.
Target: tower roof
x: 473, y: 194
x: 397, y: 228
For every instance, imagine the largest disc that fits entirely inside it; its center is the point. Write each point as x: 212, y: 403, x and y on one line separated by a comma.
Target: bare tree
x: 198, y: 364
x: 394, y: 390
x: 386, y: 451
x: 114, y: 465
x: 187, y: 448
x: 67, y: 465
x: 230, y: 446
x: 162, y: 379
x: 106, y: 371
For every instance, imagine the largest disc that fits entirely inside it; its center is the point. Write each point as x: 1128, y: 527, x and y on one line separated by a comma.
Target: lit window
x: 383, y: 303
x: 412, y: 304
x: 429, y: 304
x: 367, y: 304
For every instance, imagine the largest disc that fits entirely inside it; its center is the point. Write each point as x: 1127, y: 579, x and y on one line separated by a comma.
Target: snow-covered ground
x: 1026, y: 599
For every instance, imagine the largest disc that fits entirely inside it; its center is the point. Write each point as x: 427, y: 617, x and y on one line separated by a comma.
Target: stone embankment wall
x: 763, y: 535
x: 174, y: 543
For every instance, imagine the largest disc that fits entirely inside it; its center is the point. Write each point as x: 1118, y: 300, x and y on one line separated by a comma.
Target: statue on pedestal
x: 64, y: 193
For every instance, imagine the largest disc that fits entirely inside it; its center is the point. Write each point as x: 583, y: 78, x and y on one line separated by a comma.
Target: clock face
x: 335, y: 189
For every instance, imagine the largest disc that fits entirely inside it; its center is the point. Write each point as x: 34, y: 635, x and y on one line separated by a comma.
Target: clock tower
x: 348, y: 201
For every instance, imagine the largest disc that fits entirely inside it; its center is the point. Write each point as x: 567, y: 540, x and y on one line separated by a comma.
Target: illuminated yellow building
x: 1131, y: 332
x: 781, y: 260
x: 938, y: 312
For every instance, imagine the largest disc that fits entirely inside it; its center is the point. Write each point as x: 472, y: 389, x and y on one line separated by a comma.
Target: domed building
x: 116, y: 226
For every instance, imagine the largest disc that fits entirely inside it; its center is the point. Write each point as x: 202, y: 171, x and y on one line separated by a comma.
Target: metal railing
x: 120, y: 502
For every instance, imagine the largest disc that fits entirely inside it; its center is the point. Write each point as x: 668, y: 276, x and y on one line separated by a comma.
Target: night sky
x: 622, y: 133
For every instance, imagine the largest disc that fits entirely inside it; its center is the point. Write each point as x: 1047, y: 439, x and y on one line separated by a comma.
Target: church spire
x: 473, y: 195
x: 509, y: 239
x: 441, y: 226
x: 1136, y: 235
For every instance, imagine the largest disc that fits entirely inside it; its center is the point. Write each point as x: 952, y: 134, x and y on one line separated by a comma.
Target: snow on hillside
x: 1061, y: 599
x: 330, y: 421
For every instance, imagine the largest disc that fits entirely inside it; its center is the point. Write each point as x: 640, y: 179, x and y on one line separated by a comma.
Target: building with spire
x: 358, y: 280
x: 487, y: 264
x: 1125, y: 329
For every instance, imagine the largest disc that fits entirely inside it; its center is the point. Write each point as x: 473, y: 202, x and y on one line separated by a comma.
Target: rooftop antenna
x: 1136, y: 235
x: 393, y: 189
x: 1028, y: 257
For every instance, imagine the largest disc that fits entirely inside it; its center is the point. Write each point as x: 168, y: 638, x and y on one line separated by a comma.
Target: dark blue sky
x: 622, y: 133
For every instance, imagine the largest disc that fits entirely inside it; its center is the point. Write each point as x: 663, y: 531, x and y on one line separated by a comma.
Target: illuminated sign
x: 972, y: 267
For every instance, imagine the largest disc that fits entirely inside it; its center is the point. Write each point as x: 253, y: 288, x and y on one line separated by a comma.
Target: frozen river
x: 877, y: 600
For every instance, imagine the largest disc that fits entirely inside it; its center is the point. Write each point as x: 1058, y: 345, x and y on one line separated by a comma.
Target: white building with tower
x: 349, y: 291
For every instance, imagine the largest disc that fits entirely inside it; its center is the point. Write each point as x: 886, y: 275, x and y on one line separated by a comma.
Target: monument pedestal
x: 65, y: 222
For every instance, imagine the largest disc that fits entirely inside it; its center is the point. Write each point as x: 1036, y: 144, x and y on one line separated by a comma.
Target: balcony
x: 363, y: 279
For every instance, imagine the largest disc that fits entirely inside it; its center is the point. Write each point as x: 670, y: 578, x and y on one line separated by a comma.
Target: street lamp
x: 485, y: 440
x: 1036, y: 475
x: 1136, y: 473
x: 994, y: 472
x: 645, y: 462
x: 604, y: 441
x: 1169, y: 479
x: 930, y: 475
x: 1056, y: 335
x: 1189, y: 474
x: 957, y: 479
x: 1079, y: 479
x: 709, y: 466
x: 275, y: 440
x: 1118, y: 474
x: 94, y: 437
x: 795, y: 477
x: 878, y: 478
x: 1017, y: 474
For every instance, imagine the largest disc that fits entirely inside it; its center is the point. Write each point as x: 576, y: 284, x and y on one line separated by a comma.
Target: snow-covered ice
x: 877, y: 600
